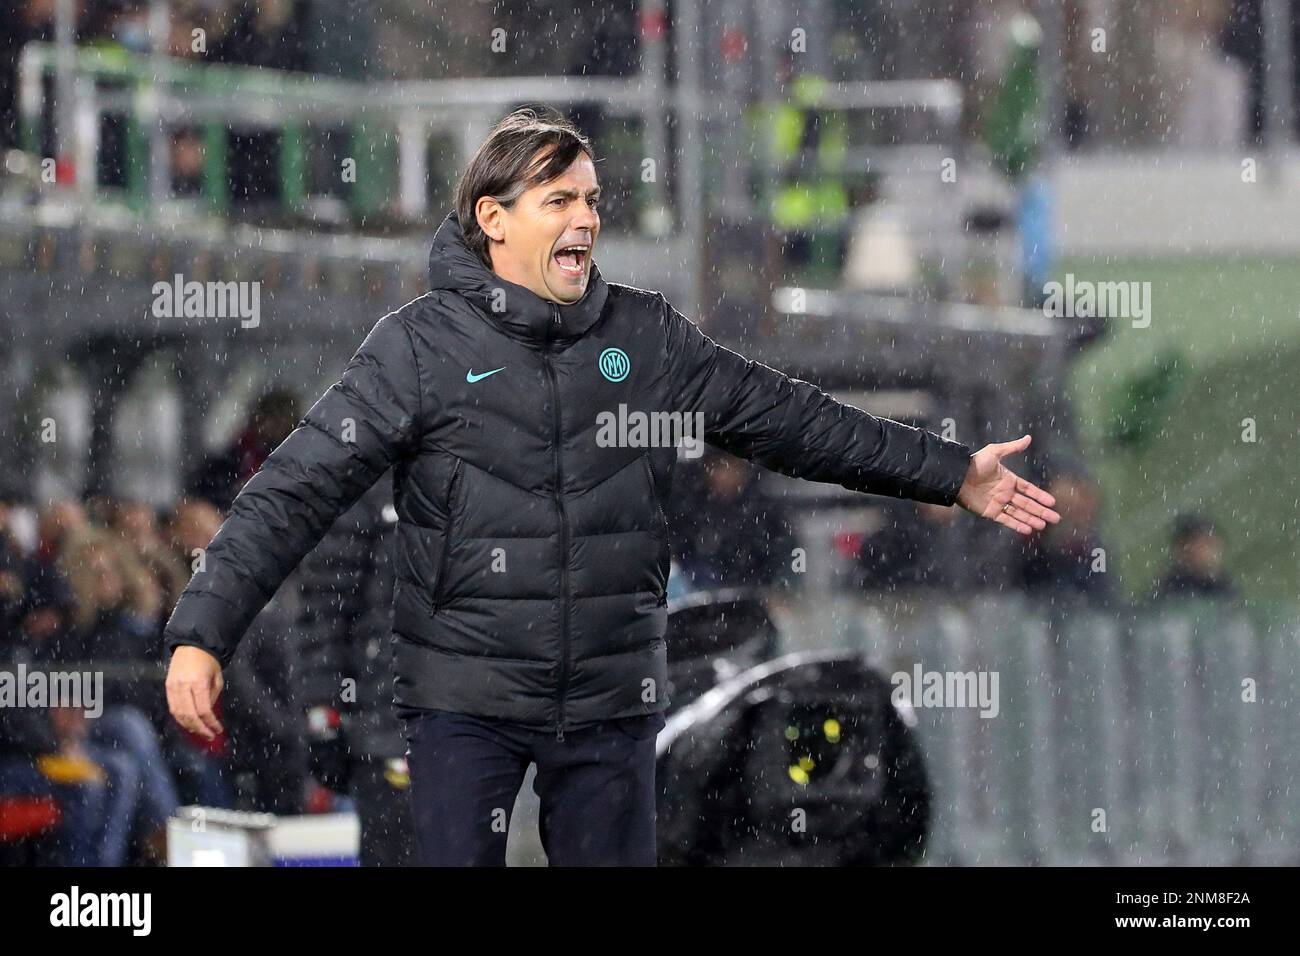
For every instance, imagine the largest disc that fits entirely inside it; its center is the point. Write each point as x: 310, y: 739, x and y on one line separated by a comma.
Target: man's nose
x: 586, y: 219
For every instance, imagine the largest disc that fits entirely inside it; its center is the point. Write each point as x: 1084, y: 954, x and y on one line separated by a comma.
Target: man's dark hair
x: 1188, y: 526
x: 502, y: 168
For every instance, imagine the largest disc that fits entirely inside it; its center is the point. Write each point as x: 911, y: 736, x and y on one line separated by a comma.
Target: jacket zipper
x: 564, y: 538
x: 438, y: 587
x: 654, y: 489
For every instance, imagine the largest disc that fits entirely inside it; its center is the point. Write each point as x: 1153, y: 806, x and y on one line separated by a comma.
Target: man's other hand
x: 193, y: 684
x: 993, y: 491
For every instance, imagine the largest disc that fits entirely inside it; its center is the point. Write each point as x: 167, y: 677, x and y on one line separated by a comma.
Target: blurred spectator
x: 192, y: 526
x: 137, y: 524
x: 1067, y: 556
x: 42, y: 575
x: 115, y: 630
x: 117, y: 602
x: 43, y: 618
x: 437, y: 39
x: 188, y: 16
x: 188, y: 155
x: 119, y: 29
x: 118, y: 24
x: 188, y: 150
x: 264, y: 33
x: 267, y: 33
x: 221, y: 476
x: 907, y: 549
x: 356, y: 740
x: 266, y: 719
x: 726, y: 533
x: 97, y: 593
x: 613, y: 48
x: 46, y: 753
x: 1196, y: 567
x: 51, y: 752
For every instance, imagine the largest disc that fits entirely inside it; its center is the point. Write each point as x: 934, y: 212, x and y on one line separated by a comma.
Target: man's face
x: 1202, y: 553
x: 531, y: 237
x: 106, y: 578
x: 195, y: 525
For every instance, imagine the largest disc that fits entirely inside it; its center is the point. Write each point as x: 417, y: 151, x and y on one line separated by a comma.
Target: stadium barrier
x: 1157, y: 735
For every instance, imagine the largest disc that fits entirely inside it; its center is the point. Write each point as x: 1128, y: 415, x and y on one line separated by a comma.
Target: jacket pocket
x: 440, y: 573
x: 662, y: 525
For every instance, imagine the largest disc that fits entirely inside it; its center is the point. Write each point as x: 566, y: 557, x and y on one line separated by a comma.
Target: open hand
x: 992, y: 490
x: 193, y: 684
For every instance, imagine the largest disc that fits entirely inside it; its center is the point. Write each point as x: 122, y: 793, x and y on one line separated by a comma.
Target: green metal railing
x: 389, y: 125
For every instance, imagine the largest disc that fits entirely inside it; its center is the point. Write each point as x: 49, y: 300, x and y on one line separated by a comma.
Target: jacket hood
x: 519, y: 311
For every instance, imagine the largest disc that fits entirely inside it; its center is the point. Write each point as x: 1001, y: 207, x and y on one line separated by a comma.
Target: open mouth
x: 572, y: 260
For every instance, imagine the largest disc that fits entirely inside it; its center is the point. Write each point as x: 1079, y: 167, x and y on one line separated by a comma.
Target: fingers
x: 190, y: 705
x: 203, y: 704
x: 1009, y: 519
x: 173, y: 700
x: 180, y: 701
x: 1023, y: 517
x: 1033, y: 491
x: 1011, y: 447
x: 1029, y: 506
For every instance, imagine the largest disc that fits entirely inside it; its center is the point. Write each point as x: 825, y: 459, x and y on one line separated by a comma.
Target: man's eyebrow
x: 569, y: 193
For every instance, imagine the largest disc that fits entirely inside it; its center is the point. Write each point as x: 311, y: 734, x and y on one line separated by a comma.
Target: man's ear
x: 490, y: 215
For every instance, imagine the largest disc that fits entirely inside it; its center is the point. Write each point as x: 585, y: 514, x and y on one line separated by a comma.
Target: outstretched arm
x: 792, y: 427
x: 795, y: 428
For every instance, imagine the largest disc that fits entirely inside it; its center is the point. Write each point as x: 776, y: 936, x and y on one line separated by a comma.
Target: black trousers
x: 596, y: 787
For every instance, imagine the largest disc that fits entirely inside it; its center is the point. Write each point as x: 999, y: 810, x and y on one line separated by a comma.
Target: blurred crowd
x: 262, y: 33
x: 241, y: 32
x: 730, y: 531
x: 1195, y: 76
x: 1127, y: 74
x: 87, y: 586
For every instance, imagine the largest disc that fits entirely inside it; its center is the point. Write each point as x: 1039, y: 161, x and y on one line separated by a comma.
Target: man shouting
x: 531, y: 558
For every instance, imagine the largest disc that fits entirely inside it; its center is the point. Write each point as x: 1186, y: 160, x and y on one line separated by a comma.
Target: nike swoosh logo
x: 471, y: 377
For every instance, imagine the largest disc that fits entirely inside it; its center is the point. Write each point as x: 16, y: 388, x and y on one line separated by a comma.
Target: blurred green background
x: 1160, y: 412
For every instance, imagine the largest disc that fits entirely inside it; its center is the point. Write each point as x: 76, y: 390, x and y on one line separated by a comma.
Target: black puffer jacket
x: 531, y: 560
